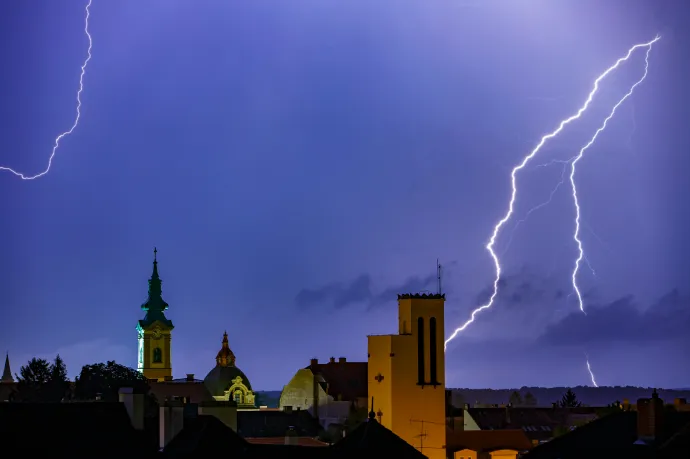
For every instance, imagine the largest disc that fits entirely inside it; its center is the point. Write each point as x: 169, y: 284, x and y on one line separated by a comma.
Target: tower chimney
x: 650, y: 417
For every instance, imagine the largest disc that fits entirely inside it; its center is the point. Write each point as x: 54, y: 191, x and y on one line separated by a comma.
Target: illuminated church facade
x: 224, y: 382
x: 406, y: 374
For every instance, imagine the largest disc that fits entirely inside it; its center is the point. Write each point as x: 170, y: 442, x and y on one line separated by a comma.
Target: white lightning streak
x: 513, y: 175
x: 576, y: 234
x: 591, y: 374
x: 536, y: 208
x: 76, y: 120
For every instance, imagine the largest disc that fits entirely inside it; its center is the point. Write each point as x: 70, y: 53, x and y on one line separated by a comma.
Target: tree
x: 569, y: 400
x: 40, y: 381
x: 530, y: 400
x: 105, y: 380
x: 515, y: 399
x: 33, y: 379
x: 58, y: 386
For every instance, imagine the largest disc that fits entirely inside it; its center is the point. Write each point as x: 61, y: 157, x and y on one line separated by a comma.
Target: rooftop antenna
x: 438, y: 276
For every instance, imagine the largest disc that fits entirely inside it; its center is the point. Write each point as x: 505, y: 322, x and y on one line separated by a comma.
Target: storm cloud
x: 623, y: 320
x: 361, y: 291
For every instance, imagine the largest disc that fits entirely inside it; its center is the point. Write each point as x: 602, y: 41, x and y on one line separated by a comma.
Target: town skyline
x: 297, y: 180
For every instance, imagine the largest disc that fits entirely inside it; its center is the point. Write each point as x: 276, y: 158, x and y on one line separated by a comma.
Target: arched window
x: 420, y: 351
x: 238, y: 396
x: 157, y: 355
x: 432, y: 351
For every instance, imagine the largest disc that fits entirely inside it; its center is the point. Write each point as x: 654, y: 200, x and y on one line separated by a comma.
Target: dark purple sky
x: 299, y: 163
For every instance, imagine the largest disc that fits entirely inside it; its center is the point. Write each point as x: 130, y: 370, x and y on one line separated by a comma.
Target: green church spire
x: 155, y: 300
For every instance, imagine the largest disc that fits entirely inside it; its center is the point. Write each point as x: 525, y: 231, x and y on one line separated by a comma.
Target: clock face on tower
x: 157, y: 332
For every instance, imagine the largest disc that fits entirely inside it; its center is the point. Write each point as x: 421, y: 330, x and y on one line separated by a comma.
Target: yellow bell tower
x: 407, y: 374
x: 154, y: 332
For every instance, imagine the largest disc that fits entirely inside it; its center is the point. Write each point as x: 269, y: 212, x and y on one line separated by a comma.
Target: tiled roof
x: 537, y: 423
x: 76, y: 430
x: 267, y: 423
x: 195, y: 391
x: 301, y: 441
x: 372, y: 436
x: 347, y: 379
x: 205, y: 436
x: 616, y: 431
x: 487, y: 440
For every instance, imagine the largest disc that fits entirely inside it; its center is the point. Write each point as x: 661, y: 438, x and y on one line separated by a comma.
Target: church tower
x: 154, y: 332
x: 407, y: 374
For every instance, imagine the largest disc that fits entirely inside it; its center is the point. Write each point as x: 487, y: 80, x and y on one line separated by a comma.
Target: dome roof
x: 220, y: 378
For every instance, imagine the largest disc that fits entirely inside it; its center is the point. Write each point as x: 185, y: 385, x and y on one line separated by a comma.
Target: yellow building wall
x: 155, y: 370
x: 414, y: 412
x: 498, y: 454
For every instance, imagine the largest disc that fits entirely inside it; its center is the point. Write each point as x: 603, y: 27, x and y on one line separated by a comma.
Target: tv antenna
x: 438, y: 276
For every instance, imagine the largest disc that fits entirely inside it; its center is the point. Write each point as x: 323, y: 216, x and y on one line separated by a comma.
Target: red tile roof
x: 537, y: 423
x: 301, y: 441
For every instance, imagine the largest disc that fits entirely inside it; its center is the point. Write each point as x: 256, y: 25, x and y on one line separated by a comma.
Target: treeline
x: 43, y: 381
x: 546, y: 396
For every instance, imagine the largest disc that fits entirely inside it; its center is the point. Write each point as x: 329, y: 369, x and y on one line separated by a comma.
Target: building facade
x: 406, y: 374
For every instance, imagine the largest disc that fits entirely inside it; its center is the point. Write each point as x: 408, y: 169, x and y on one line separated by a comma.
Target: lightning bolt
x: 573, y: 166
x: 513, y: 180
x: 591, y: 374
x: 76, y: 120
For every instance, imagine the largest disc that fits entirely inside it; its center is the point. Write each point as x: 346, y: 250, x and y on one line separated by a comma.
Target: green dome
x: 219, y: 379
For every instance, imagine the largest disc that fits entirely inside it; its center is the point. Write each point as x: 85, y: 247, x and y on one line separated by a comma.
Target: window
x: 420, y: 351
x: 157, y: 355
x: 432, y: 350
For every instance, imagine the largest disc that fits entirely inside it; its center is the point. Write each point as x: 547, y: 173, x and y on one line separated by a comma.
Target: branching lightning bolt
x: 573, y: 166
x: 76, y: 120
x: 522, y: 165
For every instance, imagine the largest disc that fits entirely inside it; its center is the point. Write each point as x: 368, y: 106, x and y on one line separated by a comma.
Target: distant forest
x: 545, y: 396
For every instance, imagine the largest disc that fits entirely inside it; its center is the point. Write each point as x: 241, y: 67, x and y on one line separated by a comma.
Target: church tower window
x: 432, y: 351
x: 157, y: 355
x: 420, y: 351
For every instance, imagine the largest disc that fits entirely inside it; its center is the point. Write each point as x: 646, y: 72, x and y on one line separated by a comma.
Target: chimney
x: 342, y: 360
x: 291, y: 436
x: 171, y: 421
x: 287, y: 409
x: 134, y: 404
x: 626, y: 405
x: 554, y: 405
x: 190, y: 376
x: 332, y: 360
x: 314, y: 362
x: 650, y: 417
